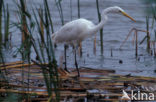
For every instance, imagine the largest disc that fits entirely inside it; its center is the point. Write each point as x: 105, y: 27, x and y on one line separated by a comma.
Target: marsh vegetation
x: 26, y: 27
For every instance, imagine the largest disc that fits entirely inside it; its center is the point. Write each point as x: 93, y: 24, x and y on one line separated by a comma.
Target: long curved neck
x: 102, y: 22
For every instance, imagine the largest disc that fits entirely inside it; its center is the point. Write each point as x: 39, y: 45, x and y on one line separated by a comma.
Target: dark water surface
x: 115, y: 31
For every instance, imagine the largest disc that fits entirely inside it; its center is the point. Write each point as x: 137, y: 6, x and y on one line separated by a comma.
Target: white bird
x: 78, y: 30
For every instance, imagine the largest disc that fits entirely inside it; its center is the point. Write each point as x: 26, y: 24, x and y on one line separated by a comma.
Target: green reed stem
x: 59, y: 7
x: 71, y: 11
x: 1, y: 5
x: 155, y: 34
x: 49, y: 15
x: 148, y: 35
x: 101, y: 30
x: 78, y: 6
x: 39, y: 58
x: 51, y: 79
x: 7, y: 21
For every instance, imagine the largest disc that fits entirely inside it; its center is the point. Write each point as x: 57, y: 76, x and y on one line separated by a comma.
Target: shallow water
x: 115, y: 31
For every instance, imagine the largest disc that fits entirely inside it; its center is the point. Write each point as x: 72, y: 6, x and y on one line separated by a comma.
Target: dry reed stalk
x: 44, y: 93
x: 16, y: 66
x: 126, y: 38
x: 11, y: 63
x: 43, y: 88
x: 24, y: 28
x: 41, y: 27
x: 24, y: 92
x: 80, y: 49
x: 133, y: 29
x: 135, y: 38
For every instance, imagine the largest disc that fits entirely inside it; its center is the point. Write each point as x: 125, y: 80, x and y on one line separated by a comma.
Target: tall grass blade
x: 49, y: 15
x: 1, y: 5
x: 71, y: 11
x: 101, y: 31
x: 78, y: 6
x: 148, y: 35
x: 59, y: 7
x: 41, y: 26
x: 7, y: 22
x: 51, y: 79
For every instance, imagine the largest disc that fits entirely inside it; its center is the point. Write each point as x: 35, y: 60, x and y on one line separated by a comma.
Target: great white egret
x: 77, y: 30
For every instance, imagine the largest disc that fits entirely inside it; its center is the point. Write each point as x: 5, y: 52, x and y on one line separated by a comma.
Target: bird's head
x: 118, y: 10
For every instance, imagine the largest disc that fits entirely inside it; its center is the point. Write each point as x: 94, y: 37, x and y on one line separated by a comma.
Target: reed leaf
x: 49, y: 15
x: 71, y: 11
x: 50, y: 79
x: 59, y: 7
x: 7, y: 22
x: 1, y: 6
x: 148, y: 35
x: 101, y: 30
x: 78, y: 6
x: 41, y: 26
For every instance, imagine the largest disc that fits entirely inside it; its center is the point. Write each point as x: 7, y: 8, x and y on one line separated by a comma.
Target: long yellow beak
x: 125, y: 14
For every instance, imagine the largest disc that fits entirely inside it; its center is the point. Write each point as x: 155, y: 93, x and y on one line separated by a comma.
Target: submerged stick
x: 136, y: 43
x: 15, y: 66
x: 94, y: 50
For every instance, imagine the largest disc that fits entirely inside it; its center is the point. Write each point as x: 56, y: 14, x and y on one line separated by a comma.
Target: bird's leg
x: 65, y: 56
x: 76, y: 65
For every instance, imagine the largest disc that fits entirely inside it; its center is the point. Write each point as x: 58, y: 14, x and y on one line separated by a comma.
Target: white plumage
x: 73, y: 32
x: 78, y: 30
